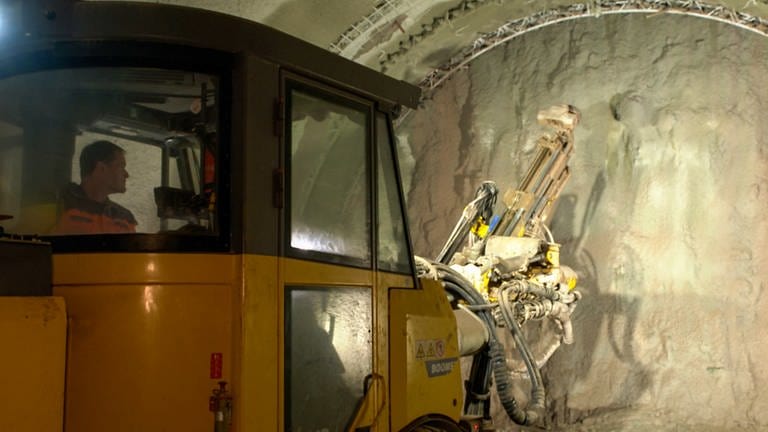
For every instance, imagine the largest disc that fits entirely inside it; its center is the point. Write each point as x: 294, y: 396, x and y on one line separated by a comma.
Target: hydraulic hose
x: 461, y: 287
x: 524, y: 287
x: 504, y: 384
x: 446, y: 273
x: 478, y: 384
x: 481, y: 206
x: 501, y: 373
x: 491, y: 362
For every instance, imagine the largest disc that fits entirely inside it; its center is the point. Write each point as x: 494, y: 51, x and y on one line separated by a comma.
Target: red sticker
x: 216, y: 365
x: 439, y: 348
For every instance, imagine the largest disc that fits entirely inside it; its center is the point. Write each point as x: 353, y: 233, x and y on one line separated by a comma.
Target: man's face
x: 115, y: 174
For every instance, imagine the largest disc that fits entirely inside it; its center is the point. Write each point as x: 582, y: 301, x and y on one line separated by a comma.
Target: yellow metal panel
x: 299, y: 272
x: 372, y: 406
x: 259, y: 408
x: 381, y: 404
x: 86, y: 269
x: 374, y: 409
x: 139, y: 354
x: 426, y: 377
x: 393, y: 280
x: 33, y: 335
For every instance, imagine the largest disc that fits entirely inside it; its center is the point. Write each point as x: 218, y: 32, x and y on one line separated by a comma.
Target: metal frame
x: 520, y: 26
x: 57, y: 21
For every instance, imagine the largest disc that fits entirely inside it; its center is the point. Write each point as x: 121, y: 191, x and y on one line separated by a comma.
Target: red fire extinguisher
x: 220, y: 404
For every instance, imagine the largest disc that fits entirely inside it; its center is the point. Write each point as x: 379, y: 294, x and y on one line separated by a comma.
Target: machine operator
x: 85, y: 208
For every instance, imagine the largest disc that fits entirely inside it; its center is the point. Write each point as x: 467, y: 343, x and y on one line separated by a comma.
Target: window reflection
x: 108, y: 150
x: 393, y: 243
x: 329, y: 352
x: 329, y: 177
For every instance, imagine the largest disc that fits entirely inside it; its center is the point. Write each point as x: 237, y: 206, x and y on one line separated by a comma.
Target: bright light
x: 4, y: 13
x: 149, y: 299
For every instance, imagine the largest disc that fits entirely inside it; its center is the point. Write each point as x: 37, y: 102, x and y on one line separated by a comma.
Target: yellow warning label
x: 430, y: 348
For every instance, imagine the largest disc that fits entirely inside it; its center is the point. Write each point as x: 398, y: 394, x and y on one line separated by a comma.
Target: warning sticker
x: 430, y: 348
x: 216, y: 365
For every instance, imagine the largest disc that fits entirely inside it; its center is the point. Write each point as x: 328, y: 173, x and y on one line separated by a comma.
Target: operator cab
x: 166, y: 120
x: 270, y: 229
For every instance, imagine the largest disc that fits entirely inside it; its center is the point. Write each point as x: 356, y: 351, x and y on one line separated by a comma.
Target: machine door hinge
x: 278, y: 188
x: 278, y: 117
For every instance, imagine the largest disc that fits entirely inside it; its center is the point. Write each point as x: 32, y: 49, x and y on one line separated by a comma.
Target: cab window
x: 330, y: 216
x: 392, y: 252
x: 328, y: 354
x: 108, y: 150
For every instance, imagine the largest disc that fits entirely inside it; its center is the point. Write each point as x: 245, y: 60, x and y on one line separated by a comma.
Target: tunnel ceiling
x: 423, y: 41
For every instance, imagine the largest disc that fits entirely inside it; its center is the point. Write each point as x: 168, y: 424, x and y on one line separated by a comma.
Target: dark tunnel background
x: 663, y: 217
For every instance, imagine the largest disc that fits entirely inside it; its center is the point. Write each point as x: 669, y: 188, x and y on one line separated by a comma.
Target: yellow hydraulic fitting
x: 480, y: 228
x: 553, y: 255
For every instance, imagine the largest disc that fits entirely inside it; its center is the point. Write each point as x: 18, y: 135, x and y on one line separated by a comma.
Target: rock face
x: 664, y: 217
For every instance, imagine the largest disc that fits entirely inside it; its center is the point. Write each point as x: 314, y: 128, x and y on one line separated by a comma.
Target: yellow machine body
x: 141, y: 334
x: 33, y: 331
x: 424, y: 349
x: 143, y: 328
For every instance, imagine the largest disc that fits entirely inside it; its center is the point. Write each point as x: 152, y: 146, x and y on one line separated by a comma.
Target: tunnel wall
x: 664, y: 217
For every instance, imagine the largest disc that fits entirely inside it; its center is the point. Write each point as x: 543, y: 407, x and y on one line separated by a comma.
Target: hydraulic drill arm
x: 529, y: 206
x: 505, y: 270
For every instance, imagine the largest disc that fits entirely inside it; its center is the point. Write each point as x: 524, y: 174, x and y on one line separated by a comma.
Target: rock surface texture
x: 664, y: 217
